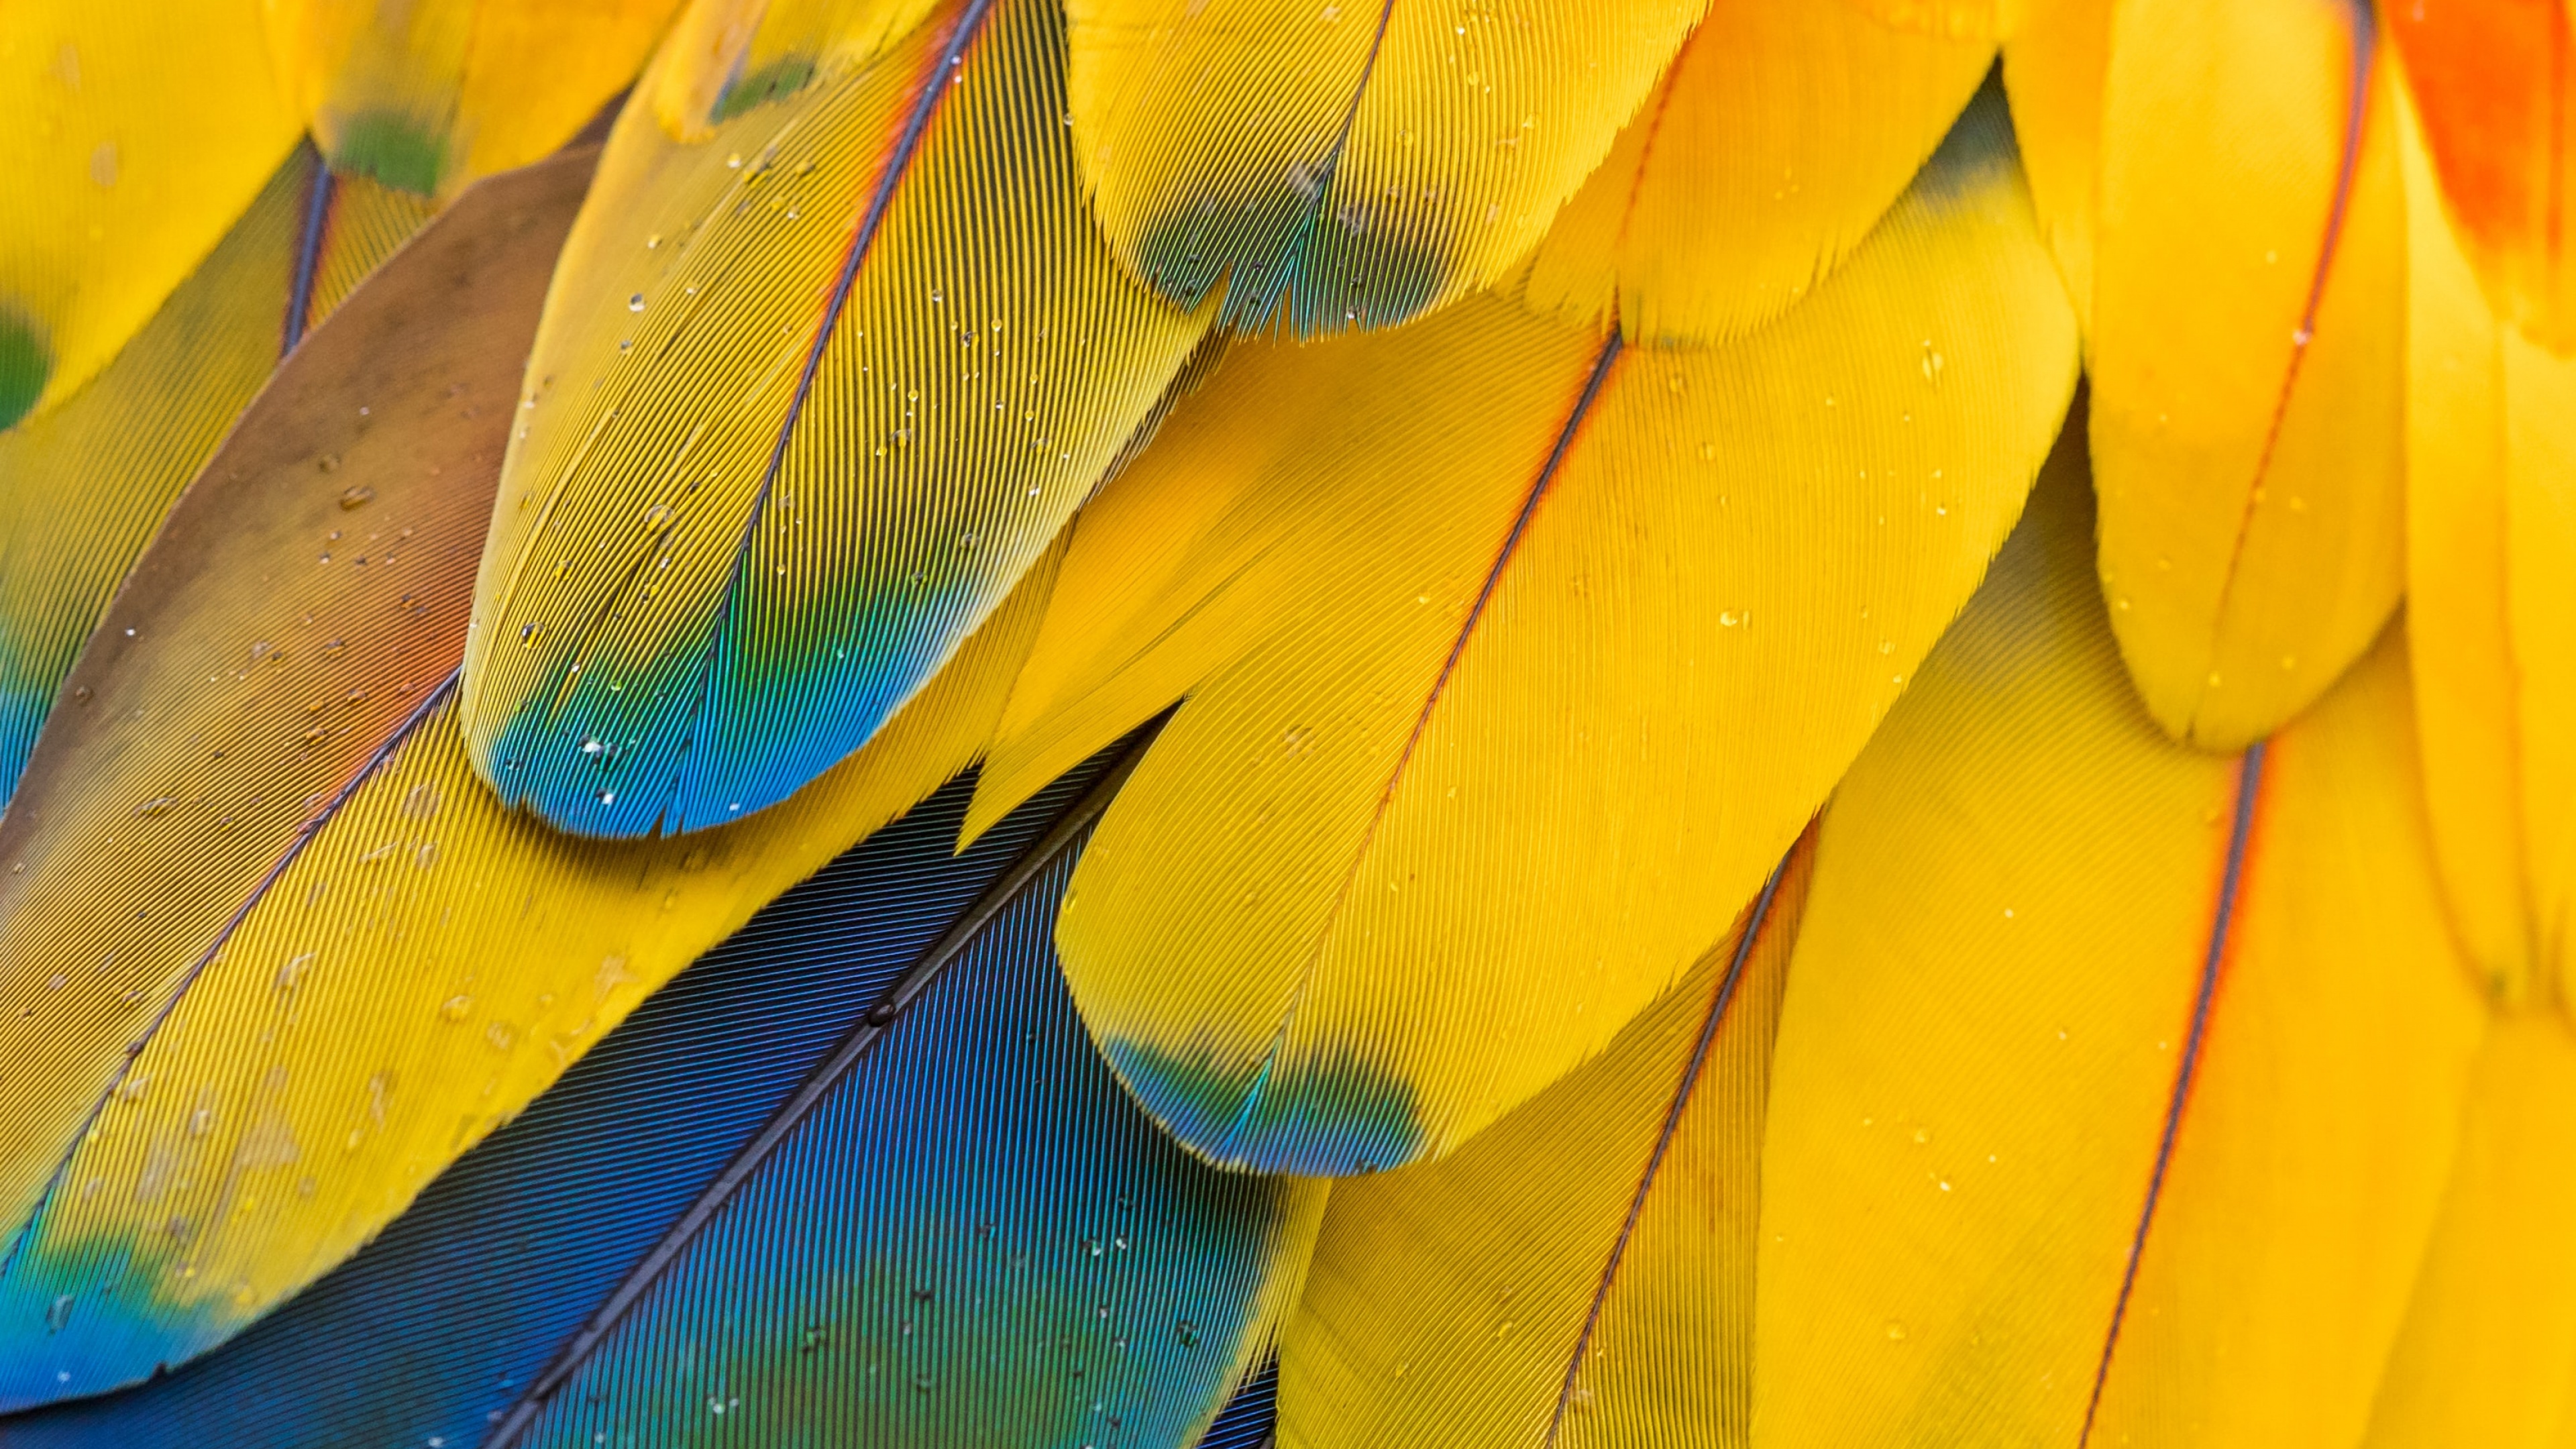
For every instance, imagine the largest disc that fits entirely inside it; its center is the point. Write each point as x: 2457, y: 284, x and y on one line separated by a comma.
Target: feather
x: 2493, y: 81
x: 2491, y: 440
x: 1581, y: 1274
x: 1781, y: 134
x: 83, y: 486
x: 1353, y: 164
x: 428, y: 96
x: 2053, y: 67
x: 1515, y: 657
x: 953, y: 1164
x: 878, y: 356
x: 2245, y: 348
x: 128, y: 158
x: 2116, y: 1083
x: 1983, y: 20
x: 265, y: 931
x: 2488, y: 1352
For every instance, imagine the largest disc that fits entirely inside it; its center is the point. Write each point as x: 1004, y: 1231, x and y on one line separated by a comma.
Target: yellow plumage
x: 1767, y: 969
x: 1780, y: 135
x: 2491, y: 538
x: 812, y: 393
x: 276, y: 960
x: 1360, y: 160
x: 2487, y: 1355
x: 1514, y: 660
x: 428, y: 96
x: 2020, y: 914
x: 129, y: 157
x: 2244, y: 342
x: 1582, y: 1273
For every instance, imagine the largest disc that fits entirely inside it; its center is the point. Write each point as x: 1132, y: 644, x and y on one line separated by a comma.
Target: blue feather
x: 966, y: 1226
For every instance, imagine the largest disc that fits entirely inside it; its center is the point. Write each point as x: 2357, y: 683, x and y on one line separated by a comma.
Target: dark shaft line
x: 1718, y: 1009
x: 2249, y: 785
x: 319, y: 193
x: 826, y: 1077
x: 134, y: 1049
x: 1503, y: 555
x: 942, y: 78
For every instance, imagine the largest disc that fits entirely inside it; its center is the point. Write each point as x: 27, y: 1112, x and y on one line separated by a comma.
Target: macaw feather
x: 812, y: 394
x: 916, y: 1210
x: 1514, y: 657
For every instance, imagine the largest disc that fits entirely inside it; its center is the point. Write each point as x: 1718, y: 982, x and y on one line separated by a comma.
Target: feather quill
x: 2245, y: 337
x: 1351, y: 165
x: 274, y: 956
x: 1515, y: 657
x: 2116, y: 1083
x: 814, y: 391
x: 953, y: 1152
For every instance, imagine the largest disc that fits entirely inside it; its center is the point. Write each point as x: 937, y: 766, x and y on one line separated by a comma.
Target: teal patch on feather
x: 1338, y: 1117
x: 392, y: 148
x: 1331, y: 273
x: 775, y: 81
x: 82, y: 1312
x: 25, y: 363
x: 1976, y: 153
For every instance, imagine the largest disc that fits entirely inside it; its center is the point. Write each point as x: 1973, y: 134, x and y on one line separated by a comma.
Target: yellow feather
x: 270, y: 955
x: 2488, y: 1353
x: 2246, y: 354
x: 129, y: 152
x: 1487, y: 738
x: 1984, y: 20
x: 83, y: 486
x: 1580, y: 1274
x: 427, y: 96
x: 1784, y: 129
x: 2053, y: 65
x: 2005, y: 952
x: 1360, y: 160
x: 2478, y: 409
x: 810, y: 396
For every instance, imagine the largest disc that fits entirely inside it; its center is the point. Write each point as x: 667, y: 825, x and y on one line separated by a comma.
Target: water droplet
x: 1188, y: 1332
x: 606, y: 797
x: 635, y: 303
x: 154, y: 808
x: 58, y: 1314
x: 328, y: 462
x: 356, y: 497
x: 457, y: 1008
x: 652, y: 241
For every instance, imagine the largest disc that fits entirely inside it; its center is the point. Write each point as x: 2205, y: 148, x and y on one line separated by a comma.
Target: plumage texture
x: 2494, y: 80
x: 1580, y: 1275
x: 428, y: 96
x: 812, y: 394
x: 1349, y: 164
x: 438, y: 1328
x: 1780, y: 135
x: 83, y: 486
x: 2488, y: 1352
x: 271, y: 921
x: 2246, y: 336
x: 129, y: 156
x: 1514, y: 660
x: 2491, y: 605
x: 2116, y: 1083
